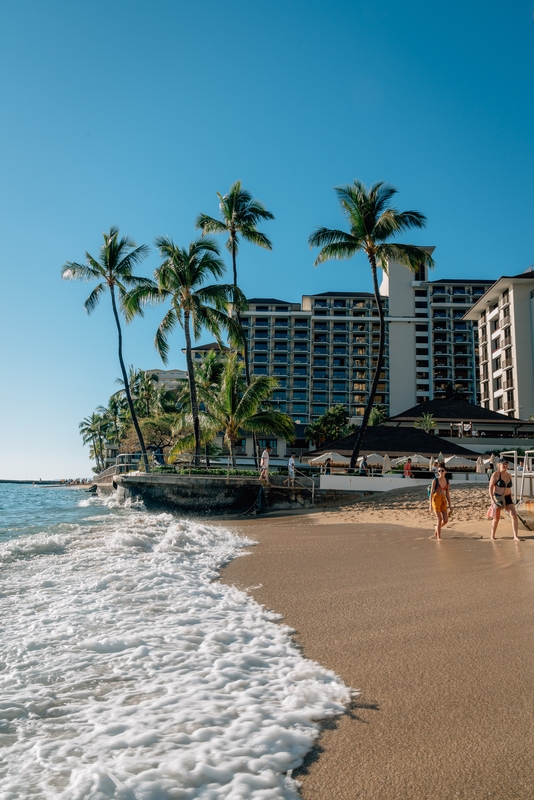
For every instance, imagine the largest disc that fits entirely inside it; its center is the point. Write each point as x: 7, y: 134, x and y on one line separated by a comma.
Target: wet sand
x: 436, y: 636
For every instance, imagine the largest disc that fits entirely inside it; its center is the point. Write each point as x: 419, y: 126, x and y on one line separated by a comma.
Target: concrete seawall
x: 216, y: 495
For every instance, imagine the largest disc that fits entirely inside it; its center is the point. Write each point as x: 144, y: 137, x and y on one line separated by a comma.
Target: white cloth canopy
x: 441, y: 457
x: 458, y: 461
x: 386, y: 466
x: 373, y: 460
x: 419, y: 460
x: 480, y: 466
x: 335, y: 458
x: 431, y: 464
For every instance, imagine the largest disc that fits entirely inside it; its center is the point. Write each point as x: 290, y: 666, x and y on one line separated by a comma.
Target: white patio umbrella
x: 386, y: 466
x: 493, y: 460
x: 458, y: 461
x: 480, y: 466
x: 419, y: 460
x: 441, y: 457
x: 431, y: 464
x: 335, y: 458
x: 373, y: 460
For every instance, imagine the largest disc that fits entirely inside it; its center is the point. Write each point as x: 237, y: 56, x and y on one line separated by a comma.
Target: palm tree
x: 180, y: 279
x: 240, y: 214
x: 240, y: 407
x: 426, y: 422
x: 208, y: 376
x: 94, y: 430
x: 113, y: 270
x: 373, y: 222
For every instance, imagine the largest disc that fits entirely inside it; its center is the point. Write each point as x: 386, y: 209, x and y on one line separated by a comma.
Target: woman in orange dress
x: 440, y: 498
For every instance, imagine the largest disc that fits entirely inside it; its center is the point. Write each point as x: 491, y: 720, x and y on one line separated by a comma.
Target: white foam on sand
x: 128, y: 672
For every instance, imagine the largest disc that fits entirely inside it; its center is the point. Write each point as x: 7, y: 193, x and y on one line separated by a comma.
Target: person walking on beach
x: 291, y: 471
x: 440, y: 498
x: 264, y: 464
x: 408, y: 469
x: 500, y: 492
x: 364, y: 467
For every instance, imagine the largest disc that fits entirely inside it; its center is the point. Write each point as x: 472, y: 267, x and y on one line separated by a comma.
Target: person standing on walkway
x: 500, y: 492
x: 408, y: 469
x: 291, y: 471
x: 264, y: 464
x: 440, y: 498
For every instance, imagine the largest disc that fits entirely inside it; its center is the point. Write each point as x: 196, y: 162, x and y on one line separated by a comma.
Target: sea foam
x: 128, y: 671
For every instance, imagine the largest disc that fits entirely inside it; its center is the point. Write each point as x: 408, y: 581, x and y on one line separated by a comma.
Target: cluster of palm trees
x: 187, y: 280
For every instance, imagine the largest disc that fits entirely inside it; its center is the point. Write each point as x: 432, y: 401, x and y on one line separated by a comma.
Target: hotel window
x: 281, y: 308
x: 339, y: 373
x: 339, y: 338
x: 320, y: 373
x: 280, y: 358
x: 300, y: 383
x: 261, y: 346
x: 260, y: 359
x: 320, y: 385
x: 319, y: 398
x: 300, y: 359
x: 300, y: 347
x: 261, y: 334
x: 300, y: 370
x: 280, y: 346
x: 339, y: 398
x: 497, y: 384
x: 421, y: 339
x: 262, y: 321
x: 320, y: 304
x: 280, y: 334
x: 319, y: 361
x: 279, y: 395
x: 339, y: 304
x: 301, y: 323
x: 498, y: 403
x: 421, y: 351
x: 300, y: 335
x: 299, y: 395
x: 340, y: 351
x: 260, y: 370
x: 320, y: 349
x: 299, y: 408
x: 420, y: 304
x: 339, y: 386
x: 280, y: 371
x: 263, y: 443
x: 320, y: 410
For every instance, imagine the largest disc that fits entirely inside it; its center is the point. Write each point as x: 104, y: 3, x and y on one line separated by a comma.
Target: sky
x: 135, y: 114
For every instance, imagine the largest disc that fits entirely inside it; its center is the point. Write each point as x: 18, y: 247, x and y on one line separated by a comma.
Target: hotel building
x: 504, y: 316
x: 324, y: 350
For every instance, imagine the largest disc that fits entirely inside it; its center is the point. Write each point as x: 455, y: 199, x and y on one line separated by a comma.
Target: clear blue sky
x: 136, y: 113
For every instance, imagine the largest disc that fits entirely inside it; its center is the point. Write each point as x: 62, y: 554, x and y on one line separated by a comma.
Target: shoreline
x: 436, y: 637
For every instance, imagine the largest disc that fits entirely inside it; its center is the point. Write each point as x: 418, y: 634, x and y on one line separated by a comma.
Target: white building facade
x: 505, y: 320
x: 324, y: 350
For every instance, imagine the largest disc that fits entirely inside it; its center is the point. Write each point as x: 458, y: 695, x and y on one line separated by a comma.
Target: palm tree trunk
x: 374, y: 385
x: 192, y: 388
x: 232, y: 454
x: 207, y: 454
x: 127, y: 385
x: 245, y: 347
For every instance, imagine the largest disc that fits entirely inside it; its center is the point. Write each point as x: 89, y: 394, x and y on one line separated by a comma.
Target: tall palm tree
x: 180, y: 279
x: 373, y: 222
x: 237, y: 407
x: 113, y: 270
x: 240, y: 213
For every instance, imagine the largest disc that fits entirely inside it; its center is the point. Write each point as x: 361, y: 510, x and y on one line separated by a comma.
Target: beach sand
x: 436, y: 636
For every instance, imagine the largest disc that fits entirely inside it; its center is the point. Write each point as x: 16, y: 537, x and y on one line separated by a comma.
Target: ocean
x: 128, y: 671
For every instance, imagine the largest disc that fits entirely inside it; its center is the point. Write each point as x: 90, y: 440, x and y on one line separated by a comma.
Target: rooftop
x: 270, y: 301
x: 455, y: 410
x: 397, y: 442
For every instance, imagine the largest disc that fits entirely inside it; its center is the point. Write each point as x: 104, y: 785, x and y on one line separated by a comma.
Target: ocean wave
x: 130, y: 672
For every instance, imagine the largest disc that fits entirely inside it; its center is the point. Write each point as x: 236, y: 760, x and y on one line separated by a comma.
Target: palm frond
x: 209, y: 224
x: 255, y: 237
x: 408, y: 255
x: 94, y: 298
x: 165, y: 328
x: 72, y: 271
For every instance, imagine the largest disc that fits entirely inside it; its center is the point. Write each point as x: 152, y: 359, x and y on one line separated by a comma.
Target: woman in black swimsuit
x: 500, y: 491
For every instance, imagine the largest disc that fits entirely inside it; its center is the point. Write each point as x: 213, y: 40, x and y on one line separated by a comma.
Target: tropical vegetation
x: 372, y: 223
x: 113, y: 271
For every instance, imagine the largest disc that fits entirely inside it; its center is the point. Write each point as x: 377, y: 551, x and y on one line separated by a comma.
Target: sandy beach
x: 437, y: 637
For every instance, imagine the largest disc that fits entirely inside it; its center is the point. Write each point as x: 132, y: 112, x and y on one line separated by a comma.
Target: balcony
x: 508, y: 406
x: 507, y: 341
